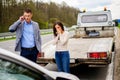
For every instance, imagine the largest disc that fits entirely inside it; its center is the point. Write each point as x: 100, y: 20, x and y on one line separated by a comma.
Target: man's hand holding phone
x: 22, y: 18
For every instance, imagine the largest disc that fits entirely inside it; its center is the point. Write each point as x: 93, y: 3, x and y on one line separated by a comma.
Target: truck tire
x: 113, y: 47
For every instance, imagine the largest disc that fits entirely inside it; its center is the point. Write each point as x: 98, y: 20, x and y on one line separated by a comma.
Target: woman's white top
x: 61, y: 41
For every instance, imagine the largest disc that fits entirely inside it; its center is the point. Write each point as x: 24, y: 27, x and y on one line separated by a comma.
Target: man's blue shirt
x: 28, y: 36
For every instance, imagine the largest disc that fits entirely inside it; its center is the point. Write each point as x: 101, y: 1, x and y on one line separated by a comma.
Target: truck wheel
x: 113, y: 47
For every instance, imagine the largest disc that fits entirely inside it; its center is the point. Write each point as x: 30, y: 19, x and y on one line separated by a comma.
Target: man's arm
x: 14, y: 26
x: 40, y: 41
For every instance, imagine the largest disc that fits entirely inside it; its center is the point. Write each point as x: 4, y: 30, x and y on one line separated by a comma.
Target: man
x: 28, y: 40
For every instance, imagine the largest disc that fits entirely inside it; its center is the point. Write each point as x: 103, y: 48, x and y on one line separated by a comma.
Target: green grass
x: 5, y: 39
x: 119, y: 25
x: 46, y: 33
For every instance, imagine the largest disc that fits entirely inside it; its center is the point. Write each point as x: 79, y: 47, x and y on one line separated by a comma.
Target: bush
x: 43, y: 25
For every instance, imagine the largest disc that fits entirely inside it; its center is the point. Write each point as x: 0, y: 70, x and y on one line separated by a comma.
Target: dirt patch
x: 117, y: 56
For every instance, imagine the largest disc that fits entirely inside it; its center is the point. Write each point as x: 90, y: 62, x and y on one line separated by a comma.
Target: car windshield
x: 12, y: 71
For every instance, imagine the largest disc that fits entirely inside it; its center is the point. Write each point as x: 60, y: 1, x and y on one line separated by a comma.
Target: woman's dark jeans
x: 63, y: 61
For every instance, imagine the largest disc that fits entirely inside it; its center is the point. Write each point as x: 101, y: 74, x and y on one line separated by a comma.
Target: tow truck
x: 92, y: 43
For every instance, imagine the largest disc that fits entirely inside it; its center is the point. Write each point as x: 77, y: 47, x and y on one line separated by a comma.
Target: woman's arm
x: 55, y: 40
x: 65, y: 38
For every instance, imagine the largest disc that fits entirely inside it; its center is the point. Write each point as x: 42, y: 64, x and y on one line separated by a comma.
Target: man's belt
x: 29, y: 48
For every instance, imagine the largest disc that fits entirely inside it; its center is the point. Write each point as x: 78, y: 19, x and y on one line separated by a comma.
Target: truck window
x: 94, y: 18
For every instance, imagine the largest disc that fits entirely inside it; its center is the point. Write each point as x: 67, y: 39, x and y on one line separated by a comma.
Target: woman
x: 62, y: 57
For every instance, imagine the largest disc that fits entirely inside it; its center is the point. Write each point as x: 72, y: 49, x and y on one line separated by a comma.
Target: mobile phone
x: 22, y: 17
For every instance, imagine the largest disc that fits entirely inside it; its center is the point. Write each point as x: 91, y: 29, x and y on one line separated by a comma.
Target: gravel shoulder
x: 117, y: 56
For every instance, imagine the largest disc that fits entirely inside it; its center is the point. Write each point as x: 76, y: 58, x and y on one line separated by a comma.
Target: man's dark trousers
x: 29, y: 53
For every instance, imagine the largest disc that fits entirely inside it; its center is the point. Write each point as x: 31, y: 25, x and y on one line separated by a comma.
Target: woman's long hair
x: 54, y: 29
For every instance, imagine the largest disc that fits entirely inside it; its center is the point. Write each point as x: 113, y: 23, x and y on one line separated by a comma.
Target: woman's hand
x: 58, y: 32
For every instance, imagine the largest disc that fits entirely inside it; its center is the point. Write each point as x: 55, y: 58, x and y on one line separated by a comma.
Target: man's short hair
x: 28, y: 10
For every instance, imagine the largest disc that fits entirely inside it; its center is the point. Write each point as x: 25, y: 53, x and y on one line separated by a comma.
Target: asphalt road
x: 89, y: 73
x: 9, y: 45
x: 82, y: 71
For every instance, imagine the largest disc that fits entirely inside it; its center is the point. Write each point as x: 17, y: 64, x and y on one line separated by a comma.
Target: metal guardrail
x: 42, y: 31
x: 12, y: 35
x: 7, y: 35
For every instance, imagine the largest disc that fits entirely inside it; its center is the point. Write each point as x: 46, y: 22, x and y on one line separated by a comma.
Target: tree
x: 0, y: 11
x: 44, y: 13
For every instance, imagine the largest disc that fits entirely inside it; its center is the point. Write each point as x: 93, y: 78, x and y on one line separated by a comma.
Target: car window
x: 12, y: 71
x: 94, y: 18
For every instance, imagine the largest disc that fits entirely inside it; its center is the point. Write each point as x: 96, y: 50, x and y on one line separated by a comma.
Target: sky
x: 93, y: 5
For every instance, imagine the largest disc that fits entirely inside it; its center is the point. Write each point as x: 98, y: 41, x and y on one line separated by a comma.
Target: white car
x: 15, y: 67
